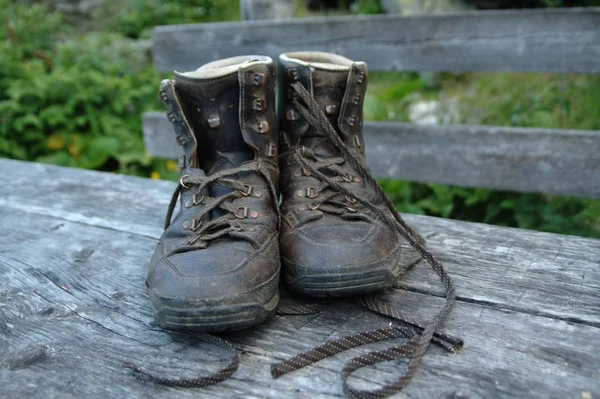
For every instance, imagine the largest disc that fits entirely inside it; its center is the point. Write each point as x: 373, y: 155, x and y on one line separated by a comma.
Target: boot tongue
x: 212, y: 108
x: 329, y: 87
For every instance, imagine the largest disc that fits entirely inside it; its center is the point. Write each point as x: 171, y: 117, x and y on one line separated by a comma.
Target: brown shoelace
x: 196, y: 382
x: 419, y: 336
x: 204, y: 232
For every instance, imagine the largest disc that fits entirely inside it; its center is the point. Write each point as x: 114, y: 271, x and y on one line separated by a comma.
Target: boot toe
x: 214, y: 292
x: 341, y: 260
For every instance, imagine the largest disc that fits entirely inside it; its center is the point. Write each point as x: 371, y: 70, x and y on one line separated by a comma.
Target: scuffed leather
x: 310, y: 238
x: 228, y: 268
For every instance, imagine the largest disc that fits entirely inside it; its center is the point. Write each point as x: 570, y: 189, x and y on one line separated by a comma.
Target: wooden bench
x: 73, y: 305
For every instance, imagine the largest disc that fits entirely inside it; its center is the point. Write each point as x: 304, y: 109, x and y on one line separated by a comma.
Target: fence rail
x: 522, y: 159
x: 545, y: 40
x: 563, y: 162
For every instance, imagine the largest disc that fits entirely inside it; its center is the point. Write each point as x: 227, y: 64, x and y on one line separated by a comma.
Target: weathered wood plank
x: 73, y: 307
x: 549, y: 161
x: 538, y: 273
x: 266, y: 9
x: 557, y: 40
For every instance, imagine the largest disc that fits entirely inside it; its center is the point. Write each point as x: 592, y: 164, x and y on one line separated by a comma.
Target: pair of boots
x: 266, y: 187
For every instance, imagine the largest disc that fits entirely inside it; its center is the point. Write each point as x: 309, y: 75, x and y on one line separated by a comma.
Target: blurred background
x: 76, y: 75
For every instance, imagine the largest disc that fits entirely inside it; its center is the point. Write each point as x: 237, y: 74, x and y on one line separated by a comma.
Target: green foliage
x: 135, y: 18
x: 367, y: 7
x: 503, y: 99
x: 529, y: 211
x: 74, y: 100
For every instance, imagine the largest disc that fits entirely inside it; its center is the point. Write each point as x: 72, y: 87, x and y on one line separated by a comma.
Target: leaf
x: 97, y: 152
x: 61, y: 158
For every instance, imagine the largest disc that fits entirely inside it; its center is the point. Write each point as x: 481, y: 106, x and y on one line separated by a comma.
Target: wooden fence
x: 523, y: 159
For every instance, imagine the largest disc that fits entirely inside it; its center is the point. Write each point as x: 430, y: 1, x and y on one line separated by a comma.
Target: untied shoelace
x: 419, y: 336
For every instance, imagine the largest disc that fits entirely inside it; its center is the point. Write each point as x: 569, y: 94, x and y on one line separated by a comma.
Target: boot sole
x: 344, y: 280
x: 217, y: 315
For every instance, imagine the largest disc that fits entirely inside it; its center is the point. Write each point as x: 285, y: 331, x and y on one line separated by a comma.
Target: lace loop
x: 211, y: 379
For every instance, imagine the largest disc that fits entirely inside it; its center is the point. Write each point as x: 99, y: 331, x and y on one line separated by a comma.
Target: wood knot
x: 28, y: 357
x: 83, y: 255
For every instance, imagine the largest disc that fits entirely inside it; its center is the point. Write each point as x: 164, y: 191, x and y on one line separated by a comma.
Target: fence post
x: 266, y: 9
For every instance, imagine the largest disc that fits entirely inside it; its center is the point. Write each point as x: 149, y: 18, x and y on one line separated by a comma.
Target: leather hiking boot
x: 216, y: 266
x: 330, y: 243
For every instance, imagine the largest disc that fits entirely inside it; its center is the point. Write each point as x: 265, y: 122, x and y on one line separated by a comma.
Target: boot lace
x: 206, y: 231
x: 419, y: 335
x: 324, y: 197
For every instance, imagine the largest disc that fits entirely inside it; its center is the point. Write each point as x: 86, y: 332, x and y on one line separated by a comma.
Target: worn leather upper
x: 311, y: 237
x: 224, y: 118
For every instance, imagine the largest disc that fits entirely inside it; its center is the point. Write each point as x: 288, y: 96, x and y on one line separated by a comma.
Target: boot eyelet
x: 198, y: 198
x: 293, y: 74
x: 300, y: 193
x: 292, y: 115
x: 347, y: 178
x: 350, y: 199
x: 241, y: 213
x: 258, y: 79
x: 188, y: 204
x: 246, y: 191
x: 162, y: 94
x: 311, y: 192
x: 292, y: 95
x: 186, y: 225
x: 257, y: 194
x: 262, y: 127
x: 351, y: 210
x: 254, y: 214
x: 259, y: 104
x: 330, y: 109
x: 182, y: 183
x: 313, y: 207
x: 180, y: 140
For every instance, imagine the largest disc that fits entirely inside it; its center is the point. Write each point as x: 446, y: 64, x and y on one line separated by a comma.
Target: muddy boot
x: 331, y: 244
x: 216, y: 266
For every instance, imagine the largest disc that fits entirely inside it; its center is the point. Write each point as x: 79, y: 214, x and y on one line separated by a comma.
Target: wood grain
x: 544, y: 40
x: 549, y: 161
x: 539, y: 273
x: 73, y: 307
x: 266, y: 9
